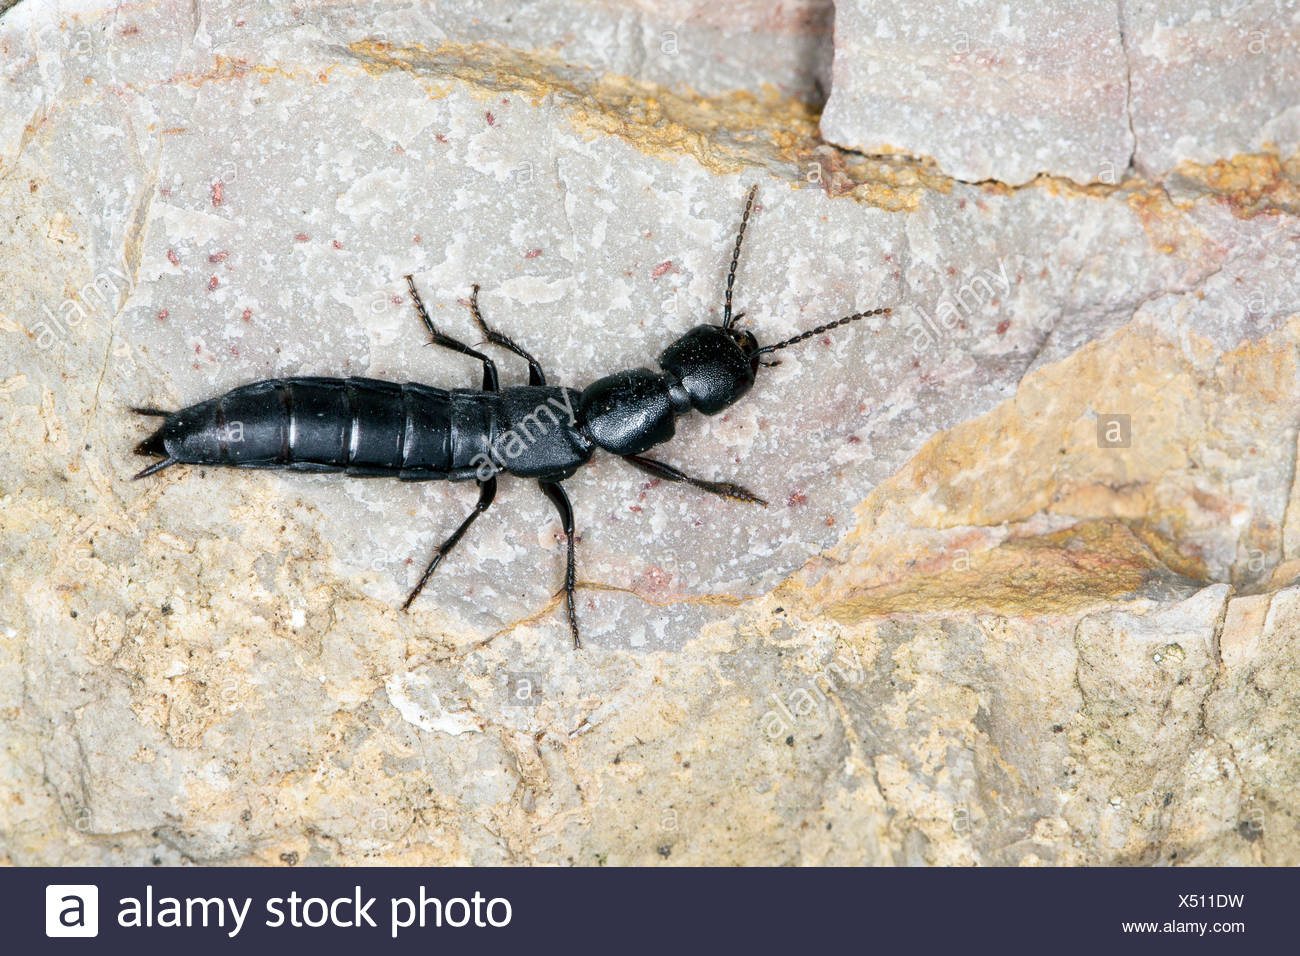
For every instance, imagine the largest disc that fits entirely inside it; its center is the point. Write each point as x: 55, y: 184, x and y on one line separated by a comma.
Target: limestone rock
x: 1081, y: 91
x: 987, y: 91
x: 1212, y: 80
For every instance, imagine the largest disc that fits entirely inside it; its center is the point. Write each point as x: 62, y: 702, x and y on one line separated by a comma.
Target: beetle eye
x: 744, y: 340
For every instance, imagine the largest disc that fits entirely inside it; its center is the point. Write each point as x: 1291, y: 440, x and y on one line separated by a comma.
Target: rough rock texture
x: 1025, y: 592
x: 991, y: 92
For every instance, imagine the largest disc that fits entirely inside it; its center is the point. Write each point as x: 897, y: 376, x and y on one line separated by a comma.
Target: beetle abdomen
x: 358, y: 425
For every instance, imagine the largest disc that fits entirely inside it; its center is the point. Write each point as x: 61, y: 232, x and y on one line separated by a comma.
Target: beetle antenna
x: 735, y: 256
x: 822, y: 328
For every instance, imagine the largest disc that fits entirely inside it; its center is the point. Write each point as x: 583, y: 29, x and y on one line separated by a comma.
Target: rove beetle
x: 370, y: 428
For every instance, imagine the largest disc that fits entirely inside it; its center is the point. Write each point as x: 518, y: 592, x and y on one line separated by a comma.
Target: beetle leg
x: 487, y: 491
x: 555, y: 492
x: 725, y: 488
x: 490, y: 381
x: 535, y: 374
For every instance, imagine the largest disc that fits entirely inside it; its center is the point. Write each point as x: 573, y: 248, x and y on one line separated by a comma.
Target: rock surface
x: 1025, y: 592
x: 1081, y: 91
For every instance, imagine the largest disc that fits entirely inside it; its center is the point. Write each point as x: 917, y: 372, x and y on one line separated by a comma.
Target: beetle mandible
x: 370, y: 428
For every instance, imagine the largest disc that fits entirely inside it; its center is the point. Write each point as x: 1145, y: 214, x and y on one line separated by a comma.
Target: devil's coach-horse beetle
x: 415, y: 432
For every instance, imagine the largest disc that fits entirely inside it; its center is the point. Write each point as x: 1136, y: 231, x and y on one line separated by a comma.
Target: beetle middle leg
x: 490, y: 381
x: 555, y: 491
x: 724, y: 488
x: 487, y: 491
x: 535, y: 374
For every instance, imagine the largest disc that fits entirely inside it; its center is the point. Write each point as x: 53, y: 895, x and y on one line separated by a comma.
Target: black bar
x: 666, y: 910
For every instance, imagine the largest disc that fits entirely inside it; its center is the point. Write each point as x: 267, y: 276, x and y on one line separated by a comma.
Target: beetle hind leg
x: 535, y: 374
x: 490, y: 381
x: 487, y: 491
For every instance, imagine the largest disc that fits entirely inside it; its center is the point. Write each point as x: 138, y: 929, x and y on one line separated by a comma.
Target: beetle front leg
x: 667, y: 472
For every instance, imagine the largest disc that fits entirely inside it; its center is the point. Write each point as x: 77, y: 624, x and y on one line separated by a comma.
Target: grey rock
x: 1079, y: 91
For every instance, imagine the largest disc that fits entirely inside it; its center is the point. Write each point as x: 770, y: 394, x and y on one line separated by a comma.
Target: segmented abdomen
x: 358, y: 425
